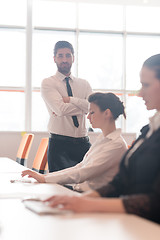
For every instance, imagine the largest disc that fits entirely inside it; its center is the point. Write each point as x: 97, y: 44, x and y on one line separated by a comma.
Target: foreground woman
x: 136, y: 188
x: 101, y: 162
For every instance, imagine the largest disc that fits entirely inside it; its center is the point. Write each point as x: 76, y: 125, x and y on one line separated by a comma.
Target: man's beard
x: 64, y: 68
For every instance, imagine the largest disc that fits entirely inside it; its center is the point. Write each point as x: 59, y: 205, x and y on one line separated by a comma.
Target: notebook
x: 41, y: 208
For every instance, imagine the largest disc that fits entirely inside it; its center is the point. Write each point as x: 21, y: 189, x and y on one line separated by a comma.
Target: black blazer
x: 138, y: 181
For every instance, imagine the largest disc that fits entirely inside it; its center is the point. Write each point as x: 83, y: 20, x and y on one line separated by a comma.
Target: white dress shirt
x: 98, y: 167
x: 60, y: 122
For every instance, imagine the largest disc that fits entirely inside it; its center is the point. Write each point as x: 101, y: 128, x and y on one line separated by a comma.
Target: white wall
x: 9, y: 143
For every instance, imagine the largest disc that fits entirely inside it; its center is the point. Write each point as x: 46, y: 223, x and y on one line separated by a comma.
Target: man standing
x: 66, y: 100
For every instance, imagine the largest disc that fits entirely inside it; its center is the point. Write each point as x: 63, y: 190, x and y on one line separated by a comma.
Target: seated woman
x: 136, y: 188
x: 101, y: 162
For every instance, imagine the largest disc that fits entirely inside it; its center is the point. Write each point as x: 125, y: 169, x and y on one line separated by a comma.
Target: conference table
x: 17, y: 222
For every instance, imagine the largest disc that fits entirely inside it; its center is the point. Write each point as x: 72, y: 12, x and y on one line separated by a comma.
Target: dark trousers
x: 65, y: 152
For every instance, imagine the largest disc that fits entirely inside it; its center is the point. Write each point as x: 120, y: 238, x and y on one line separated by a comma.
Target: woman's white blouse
x: 98, y: 167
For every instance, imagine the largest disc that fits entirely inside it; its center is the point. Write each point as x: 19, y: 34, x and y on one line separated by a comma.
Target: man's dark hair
x: 63, y: 44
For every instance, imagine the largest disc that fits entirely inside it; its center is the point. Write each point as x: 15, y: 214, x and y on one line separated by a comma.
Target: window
x: 100, y: 60
x: 100, y: 17
x: 142, y: 19
x: 110, y: 46
x: 12, y: 110
x: 12, y: 57
x: 54, y: 14
x: 13, y: 13
x: 138, y: 48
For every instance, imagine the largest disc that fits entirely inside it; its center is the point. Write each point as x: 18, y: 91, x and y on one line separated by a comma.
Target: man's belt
x: 69, y: 139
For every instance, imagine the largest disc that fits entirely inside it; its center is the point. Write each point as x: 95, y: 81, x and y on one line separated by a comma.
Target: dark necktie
x: 69, y: 90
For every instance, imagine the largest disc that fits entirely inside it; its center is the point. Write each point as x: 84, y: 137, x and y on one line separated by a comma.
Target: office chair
x: 40, y: 163
x: 24, y: 148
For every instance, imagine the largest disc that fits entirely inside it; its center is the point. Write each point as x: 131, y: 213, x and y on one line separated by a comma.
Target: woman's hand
x: 80, y: 204
x: 32, y: 174
x: 73, y: 203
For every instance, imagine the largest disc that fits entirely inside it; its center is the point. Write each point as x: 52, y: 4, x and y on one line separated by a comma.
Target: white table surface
x: 17, y: 222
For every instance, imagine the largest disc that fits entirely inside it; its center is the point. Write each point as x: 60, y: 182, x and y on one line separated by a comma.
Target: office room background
x: 111, y: 40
